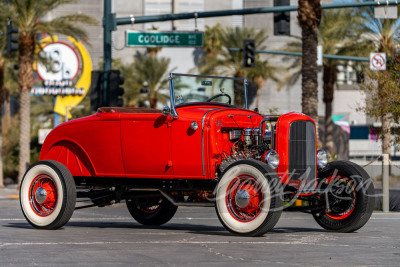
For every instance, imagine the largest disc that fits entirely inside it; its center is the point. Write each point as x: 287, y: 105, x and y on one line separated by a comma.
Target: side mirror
x: 166, y: 110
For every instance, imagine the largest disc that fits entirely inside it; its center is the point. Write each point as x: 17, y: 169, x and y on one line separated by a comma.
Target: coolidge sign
x: 164, y: 39
x: 67, y: 73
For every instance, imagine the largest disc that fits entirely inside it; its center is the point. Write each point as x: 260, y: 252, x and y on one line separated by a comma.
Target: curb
x: 9, y: 193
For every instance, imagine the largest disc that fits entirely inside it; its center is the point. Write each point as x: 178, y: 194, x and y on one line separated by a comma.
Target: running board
x: 174, y: 202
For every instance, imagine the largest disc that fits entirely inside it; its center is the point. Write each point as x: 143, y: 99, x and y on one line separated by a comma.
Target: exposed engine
x: 251, y: 143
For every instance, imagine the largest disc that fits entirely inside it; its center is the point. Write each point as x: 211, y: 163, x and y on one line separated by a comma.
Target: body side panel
x: 97, y: 137
x: 146, y: 145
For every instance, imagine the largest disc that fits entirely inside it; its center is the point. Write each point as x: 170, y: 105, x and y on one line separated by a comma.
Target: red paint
x: 282, y: 142
x: 142, y: 143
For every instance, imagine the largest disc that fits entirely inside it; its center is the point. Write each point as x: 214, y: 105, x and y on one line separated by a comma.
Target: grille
x: 302, y: 155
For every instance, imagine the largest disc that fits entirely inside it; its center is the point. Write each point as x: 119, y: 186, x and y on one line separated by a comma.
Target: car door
x: 187, y: 149
x: 146, y: 145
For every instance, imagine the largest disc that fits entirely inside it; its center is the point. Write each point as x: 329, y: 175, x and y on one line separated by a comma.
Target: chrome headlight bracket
x: 322, y: 158
x: 272, y: 159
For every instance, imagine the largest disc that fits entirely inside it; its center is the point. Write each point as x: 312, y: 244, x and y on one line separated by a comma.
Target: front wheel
x: 47, y: 195
x: 248, y: 198
x: 350, y: 197
x: 151, y: 210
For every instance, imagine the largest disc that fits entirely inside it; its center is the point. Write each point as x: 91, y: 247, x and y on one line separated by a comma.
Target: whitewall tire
x: 248, y: 199
x: 47, y: 195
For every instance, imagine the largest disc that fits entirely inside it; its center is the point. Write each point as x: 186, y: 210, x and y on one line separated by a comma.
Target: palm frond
x: 68, y: 25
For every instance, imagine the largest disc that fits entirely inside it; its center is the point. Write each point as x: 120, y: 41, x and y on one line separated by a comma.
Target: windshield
x: 194, y: 89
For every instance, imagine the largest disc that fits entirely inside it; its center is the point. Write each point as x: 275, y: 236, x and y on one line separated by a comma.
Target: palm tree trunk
x: 153, y: 102
x: 26, y: 46
x: 309, y: 17
x: 329, y: 77
x: 1, y: 154
x: 2, y: 100
x: 153, y: 98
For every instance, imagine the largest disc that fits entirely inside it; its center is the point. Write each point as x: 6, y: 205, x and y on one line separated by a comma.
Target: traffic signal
x: 249, y: 53
x: 115, y: 92
x: 12, y: 38
x: 96, y: 87
x: 282, y: 19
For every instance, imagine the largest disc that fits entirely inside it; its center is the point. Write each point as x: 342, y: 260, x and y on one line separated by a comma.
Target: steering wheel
x: 223, y: 94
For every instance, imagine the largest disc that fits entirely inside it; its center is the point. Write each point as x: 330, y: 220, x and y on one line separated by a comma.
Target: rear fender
x: 72, y: 155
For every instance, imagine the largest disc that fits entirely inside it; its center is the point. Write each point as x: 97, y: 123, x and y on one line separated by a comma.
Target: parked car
x: 215, y: 152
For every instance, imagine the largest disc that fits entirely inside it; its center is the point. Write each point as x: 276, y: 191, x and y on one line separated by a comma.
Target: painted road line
x: 166, y: 242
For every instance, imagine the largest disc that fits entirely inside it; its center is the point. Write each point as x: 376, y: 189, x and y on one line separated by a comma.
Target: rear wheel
x: 351, y: 197
x: 151, y: 211
x: 248, y: 199
x: 47, y: 195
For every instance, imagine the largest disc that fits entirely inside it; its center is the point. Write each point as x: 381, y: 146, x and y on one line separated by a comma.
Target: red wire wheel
x: 343, y: 197
x: 351, y: 197
x: 151, y: 210
x: 244, y: 198
x: 43, y: 195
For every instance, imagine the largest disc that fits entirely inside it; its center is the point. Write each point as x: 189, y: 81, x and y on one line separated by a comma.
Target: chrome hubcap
x: 242, y: 198
x: 40, y: 195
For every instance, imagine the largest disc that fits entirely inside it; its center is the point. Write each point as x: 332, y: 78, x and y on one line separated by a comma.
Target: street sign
x: 384, y: 11
x: 164, y: 39
x: 320, y: 54
x: 377, y: 61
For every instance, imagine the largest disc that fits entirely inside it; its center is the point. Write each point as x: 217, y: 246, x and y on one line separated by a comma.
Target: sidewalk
x: 9, y: 192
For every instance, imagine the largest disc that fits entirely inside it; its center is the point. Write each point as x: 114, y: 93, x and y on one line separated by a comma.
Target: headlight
x: 272, y: 159
x: 322, y: 158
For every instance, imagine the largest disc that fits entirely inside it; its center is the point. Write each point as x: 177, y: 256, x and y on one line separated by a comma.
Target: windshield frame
x: 174, y: 113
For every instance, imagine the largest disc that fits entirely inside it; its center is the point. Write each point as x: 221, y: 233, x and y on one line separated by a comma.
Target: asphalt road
x: 194, y: 237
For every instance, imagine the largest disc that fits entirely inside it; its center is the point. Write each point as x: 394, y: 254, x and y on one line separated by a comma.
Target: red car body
x: 195, y: 154
x: 143, y: 143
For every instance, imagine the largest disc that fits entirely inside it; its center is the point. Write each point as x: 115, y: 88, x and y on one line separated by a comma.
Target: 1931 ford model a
x: 207, y: 148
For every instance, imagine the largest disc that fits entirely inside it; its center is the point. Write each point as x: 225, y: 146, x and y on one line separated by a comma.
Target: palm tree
x: 309, y: 17
x: 3, y: 94
x: 380, y: 35
x: 295, y: 66
x: 336, y: 35
x: 262, y: 72
x: 206, y: 57
x: 152, y: 70
x: 26, y: 14
x: 219, y: 60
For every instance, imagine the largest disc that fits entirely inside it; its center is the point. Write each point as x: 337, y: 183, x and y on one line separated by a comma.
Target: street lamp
x: 72, y: 107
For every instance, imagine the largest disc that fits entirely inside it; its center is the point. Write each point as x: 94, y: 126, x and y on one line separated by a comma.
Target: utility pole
x: 109, y: 26
x: 175, y: 10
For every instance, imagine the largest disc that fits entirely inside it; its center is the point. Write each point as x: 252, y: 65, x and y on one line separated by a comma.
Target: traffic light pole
x: 299, y: 54
x: 109, y: 26
x: 245, y: 11
x: 110, y: 21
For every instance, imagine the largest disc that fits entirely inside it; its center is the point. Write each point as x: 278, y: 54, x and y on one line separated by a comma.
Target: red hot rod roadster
x: 205, y: 149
